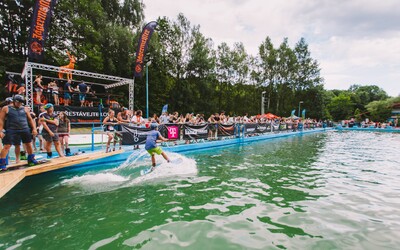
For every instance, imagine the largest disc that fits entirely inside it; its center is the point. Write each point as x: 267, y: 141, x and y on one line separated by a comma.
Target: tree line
x: 188, y: 71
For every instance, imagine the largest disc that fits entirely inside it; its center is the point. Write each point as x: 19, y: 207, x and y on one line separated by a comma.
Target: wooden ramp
x: 9, y: 179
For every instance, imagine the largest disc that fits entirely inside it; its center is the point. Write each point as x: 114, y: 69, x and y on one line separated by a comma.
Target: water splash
x: 136, y: 156
x: 99, y: 182
x: 177, y: 168
x: 128, y: 173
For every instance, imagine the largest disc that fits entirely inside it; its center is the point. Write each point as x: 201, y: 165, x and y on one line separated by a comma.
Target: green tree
x: 286, y: 68
x: 307, y: 74
x: 367, y: 94
x: 77, y: 25
x: 15, y: 19
x: 341, y: 107
x: 267, y: 70
x: 201, y: 73
x: 381, y: 110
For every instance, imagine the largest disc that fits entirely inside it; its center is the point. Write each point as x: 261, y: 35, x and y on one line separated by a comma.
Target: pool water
x: 335, y: 190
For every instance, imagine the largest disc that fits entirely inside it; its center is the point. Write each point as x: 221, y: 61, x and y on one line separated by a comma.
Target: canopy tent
x: 269, y: 116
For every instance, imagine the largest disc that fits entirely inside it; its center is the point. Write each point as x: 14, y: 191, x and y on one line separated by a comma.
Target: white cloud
x: 355, y: 41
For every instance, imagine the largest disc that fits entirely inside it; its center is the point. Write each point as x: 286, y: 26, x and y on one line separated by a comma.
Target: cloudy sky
x: 355, y: 41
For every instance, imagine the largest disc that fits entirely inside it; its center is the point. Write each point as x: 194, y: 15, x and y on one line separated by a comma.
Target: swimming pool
x: 323, y: 190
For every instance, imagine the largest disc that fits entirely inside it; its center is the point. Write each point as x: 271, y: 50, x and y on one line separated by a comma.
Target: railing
x: 189, y: 133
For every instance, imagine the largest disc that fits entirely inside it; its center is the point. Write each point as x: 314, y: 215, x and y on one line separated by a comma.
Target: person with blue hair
x: 50, y: 122
x: 151, y: 145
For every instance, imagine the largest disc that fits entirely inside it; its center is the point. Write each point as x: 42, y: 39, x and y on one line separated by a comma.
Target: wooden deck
x: 9, y: 179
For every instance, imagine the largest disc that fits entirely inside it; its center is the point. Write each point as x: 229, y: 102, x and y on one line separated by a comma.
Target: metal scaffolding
x: 116, y: 81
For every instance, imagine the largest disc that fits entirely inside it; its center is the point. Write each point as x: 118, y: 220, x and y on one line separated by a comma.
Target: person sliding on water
x: 151, y: 145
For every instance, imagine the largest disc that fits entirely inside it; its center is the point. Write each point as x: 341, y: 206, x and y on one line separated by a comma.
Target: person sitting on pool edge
x: 151, y: 145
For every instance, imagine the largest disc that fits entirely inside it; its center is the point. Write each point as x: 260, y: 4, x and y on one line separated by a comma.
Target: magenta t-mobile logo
x: 173, y: 132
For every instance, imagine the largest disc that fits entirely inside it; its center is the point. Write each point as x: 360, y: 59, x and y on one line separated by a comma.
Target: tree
x: 307, y: 74
x: 367, y: 94
x: 186, y: 71
x: 267, y: 70
x: 201, y: 72
x: 81, y: 26
x: 15, y: 19
x: 381, y: 110
x: 341, y: 107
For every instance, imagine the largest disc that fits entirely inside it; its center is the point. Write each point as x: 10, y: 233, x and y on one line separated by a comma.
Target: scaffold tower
x: 115, y: 81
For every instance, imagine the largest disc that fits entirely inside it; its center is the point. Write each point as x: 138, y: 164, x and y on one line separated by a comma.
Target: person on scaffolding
x: 17, y: 119
x: 110, y: 123
x: 151, y: 145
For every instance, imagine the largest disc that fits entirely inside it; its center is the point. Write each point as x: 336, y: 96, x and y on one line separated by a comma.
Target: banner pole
x: 132, y: 94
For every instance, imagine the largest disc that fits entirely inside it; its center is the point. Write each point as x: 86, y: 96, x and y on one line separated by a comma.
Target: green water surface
x: 321, y: 191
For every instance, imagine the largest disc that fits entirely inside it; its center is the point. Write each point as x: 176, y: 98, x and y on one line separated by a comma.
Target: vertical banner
x: 142, y: 47
x: 303, y: 114
x: 164, y: 109
x: 292, y: 114
x: 39, y: 28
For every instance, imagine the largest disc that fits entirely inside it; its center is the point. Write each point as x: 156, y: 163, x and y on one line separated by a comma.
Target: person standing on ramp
x: 14, y: 128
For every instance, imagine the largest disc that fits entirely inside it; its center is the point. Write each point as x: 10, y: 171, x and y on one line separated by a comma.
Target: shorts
x: 38, y: 90
x: 67, y: 96
x: 156, y: 150
x: 82, y: 96
x: 212, y: 127
x: 14, y: 137
x: 62, y: 135
x: 117, y: 136
x: 49, y: 138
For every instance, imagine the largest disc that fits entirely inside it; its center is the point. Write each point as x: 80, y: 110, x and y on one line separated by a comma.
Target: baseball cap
x: 18, y: 98
x: 153, y: 126
x: 48, y: 105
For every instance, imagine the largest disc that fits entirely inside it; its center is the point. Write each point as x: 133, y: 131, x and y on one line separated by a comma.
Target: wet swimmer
x: 151, y: 145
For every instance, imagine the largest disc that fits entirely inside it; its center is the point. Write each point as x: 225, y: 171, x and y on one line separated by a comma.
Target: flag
x: 293, y: 111
x: 39, y: 28
x: 164, y: 109
x: 142, y: 47
x: 303, y: 114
